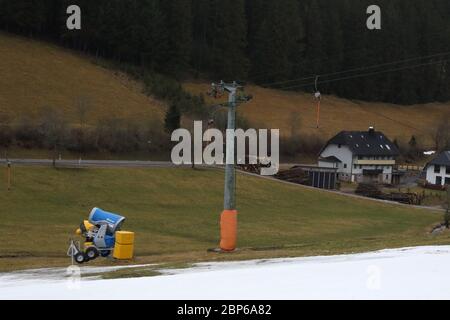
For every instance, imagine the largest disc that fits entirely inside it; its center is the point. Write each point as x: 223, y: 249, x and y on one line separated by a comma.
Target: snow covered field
x: 411, y: 273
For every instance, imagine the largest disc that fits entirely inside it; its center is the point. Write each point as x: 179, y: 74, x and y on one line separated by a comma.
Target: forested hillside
x: 266, y: 42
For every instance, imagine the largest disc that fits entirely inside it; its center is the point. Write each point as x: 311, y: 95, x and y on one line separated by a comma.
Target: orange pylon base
x: 228, y: 230
x: 318, y: 114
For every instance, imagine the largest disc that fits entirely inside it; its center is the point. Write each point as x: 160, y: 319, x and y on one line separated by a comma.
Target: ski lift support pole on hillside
x: 228, y: 218
x: 318, y: 97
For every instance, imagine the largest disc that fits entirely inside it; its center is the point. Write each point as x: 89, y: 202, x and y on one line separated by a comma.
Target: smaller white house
x: 438, y: 170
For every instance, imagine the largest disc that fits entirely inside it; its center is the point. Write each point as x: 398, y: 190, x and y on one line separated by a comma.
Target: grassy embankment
x: 175, y: 214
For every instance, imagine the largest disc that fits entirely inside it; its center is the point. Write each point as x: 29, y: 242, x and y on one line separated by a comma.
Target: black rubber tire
x: 92, y: 253
x: 80, y: 258
x: 105, y: 253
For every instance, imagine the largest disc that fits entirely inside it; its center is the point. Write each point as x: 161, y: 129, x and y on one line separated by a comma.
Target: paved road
x: 90, y: 163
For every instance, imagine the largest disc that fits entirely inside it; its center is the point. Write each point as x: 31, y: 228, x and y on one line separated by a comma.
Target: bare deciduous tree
x: 54, y: 129
x: 6, y: 136
x: 295, y: 123
x: 82, y: 105
x: 440, y: 133
x: 447, y: 213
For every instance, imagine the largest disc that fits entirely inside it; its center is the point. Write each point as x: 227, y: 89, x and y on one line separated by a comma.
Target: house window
x: 437, y: 169
x: 447, y: 171
x: 439, y: 181
x: 345, y: 166
x: 447, y: 181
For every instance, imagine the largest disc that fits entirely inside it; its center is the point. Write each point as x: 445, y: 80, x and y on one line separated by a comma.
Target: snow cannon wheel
x: 80, y: 258
x: 92, y: 253
x: 105, y: 253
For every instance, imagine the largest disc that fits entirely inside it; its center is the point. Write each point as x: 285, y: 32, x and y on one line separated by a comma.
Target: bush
x: 53, y: 129
x: 116, y: 135
x: 27, y: 135
x: 301, y: 144
x: 155, y: 138
x: 79, y: 140
x: 163, y: 87
x: 171, y: 90
x: 6, y: 136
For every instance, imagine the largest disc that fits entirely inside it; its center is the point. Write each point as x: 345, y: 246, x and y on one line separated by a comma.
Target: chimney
x: 371, y: 131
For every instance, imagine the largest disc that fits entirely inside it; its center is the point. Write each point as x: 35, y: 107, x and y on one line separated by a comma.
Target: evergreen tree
x: 260, y: 40
x: 179, y: 26
x: 173, y: 118
x: 315, y: 38
x: 228, y: 40
x: 278, y: 40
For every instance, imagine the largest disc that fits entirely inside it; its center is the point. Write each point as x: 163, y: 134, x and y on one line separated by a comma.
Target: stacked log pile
x: 375, y: 191
x: 294, y: 175
x: 251, y: 168
x: 369, y: 190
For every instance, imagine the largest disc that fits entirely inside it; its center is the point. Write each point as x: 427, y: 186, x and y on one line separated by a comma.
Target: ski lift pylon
x: 318, y: 97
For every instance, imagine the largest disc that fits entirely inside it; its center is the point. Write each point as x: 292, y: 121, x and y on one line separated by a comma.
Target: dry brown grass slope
x: 36, y: 75
x: 275, y: 109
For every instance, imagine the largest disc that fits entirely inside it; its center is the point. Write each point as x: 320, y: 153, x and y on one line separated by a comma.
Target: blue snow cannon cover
x: 113, y: 220
x: 110, y: 241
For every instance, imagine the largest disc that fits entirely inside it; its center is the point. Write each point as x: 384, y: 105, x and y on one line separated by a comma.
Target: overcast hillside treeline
x: 262, y: 41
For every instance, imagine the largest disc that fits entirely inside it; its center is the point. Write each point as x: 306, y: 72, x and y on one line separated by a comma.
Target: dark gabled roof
x: 442, y: 159
x: 365, y: 143
x: 331, y: 159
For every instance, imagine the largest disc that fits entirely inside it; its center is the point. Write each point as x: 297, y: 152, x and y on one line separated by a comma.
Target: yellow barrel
x: 125, y: 237
x: 124, y: 247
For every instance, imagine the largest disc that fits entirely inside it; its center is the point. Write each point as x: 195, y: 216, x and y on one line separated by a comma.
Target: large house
x: 438, y: 170
x: 360, y: 156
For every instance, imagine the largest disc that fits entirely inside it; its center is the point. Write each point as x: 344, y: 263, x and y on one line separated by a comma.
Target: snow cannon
x: 102, y: 237
x: 111, y: 220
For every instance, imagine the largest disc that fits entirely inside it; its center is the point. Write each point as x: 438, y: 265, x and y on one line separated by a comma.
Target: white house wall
x: 331, y: 165
x: 431, y: 175
x: 354, y: 172
x: 344, y: 154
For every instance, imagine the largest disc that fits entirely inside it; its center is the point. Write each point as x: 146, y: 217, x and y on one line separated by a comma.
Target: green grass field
x: 175, y: 213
